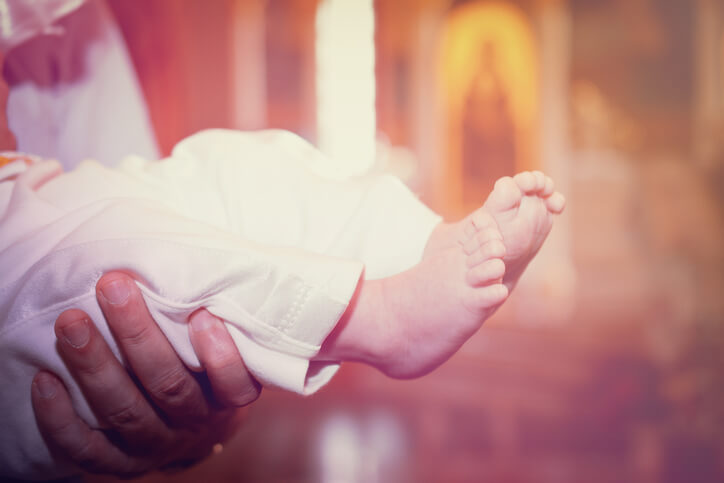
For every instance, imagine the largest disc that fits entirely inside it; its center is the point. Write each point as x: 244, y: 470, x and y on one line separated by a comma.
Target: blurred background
x: 607, y: 363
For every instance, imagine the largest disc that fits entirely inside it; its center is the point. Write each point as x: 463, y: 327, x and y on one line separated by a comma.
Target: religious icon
x: 488, y: 129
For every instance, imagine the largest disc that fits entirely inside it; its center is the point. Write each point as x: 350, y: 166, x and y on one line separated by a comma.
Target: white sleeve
x: 275, y: 188
x: 279, y: 302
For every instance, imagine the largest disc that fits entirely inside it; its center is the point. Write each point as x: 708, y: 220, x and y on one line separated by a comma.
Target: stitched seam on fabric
x: 277, y: 333
x: 286, y: 319
x: 292, y: 315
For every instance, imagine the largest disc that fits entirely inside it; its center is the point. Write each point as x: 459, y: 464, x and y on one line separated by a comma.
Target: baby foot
x: 408, y: 324
x: 523, y: 207
x: 438, y: 304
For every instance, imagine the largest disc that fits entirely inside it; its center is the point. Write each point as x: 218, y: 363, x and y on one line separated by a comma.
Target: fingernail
x: 116, y: 292
x: 77, y: 333
x: 45, y: 385
x: 201, y: 322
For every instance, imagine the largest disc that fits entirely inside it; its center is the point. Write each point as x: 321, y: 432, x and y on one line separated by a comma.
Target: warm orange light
x: 505, y: 27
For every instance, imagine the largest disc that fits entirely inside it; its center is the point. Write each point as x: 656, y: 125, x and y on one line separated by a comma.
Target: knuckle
x: 127, y: 415
x: 85, y: 456
x: 175, y: 388
x: 94, y: 366
x: 136, y: 334
x: 56, y: 430
x: 224, y: 360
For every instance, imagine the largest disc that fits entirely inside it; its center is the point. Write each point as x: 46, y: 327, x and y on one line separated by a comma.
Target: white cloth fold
x: 245, y: 224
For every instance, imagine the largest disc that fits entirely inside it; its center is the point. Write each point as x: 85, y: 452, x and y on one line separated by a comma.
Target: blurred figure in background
x: 73, y: 92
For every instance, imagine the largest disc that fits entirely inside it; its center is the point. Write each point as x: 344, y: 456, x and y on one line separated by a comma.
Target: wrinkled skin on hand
x: 164, y: 416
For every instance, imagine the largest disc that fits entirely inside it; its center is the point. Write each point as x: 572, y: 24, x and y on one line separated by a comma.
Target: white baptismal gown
x: 255, y: 227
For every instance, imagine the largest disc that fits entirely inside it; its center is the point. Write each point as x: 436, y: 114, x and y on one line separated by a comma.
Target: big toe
x: 505, y: 195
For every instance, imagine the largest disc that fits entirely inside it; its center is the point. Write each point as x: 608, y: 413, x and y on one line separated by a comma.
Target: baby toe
x: 503, y: 183
x: 487, y: 251
x: 486, y: 272
x: 540, y: 181
x: 548, y: 187
x: 505, y: 195
x: 555, y: 203
x: 526, y: 181
x: 480, y: 238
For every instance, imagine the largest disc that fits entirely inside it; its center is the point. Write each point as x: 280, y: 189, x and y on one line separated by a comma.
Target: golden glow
x: 504, y: 26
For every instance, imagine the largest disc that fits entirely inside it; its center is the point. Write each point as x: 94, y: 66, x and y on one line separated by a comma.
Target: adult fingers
x: 231, y: 382
x: 105, y: 383
x: 152, y: 358
x: 69, y: 436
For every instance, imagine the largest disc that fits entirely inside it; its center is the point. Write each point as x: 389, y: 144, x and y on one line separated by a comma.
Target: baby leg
x: 408, y: 324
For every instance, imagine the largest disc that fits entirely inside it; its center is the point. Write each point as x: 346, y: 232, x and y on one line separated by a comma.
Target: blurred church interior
x: 607, y: 363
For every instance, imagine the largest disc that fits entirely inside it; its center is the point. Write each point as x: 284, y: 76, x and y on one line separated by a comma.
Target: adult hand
x: 165, y: 420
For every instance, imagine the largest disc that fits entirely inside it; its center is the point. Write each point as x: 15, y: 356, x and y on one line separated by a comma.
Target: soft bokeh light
x: 341, y: 450
x: 346, y: 127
